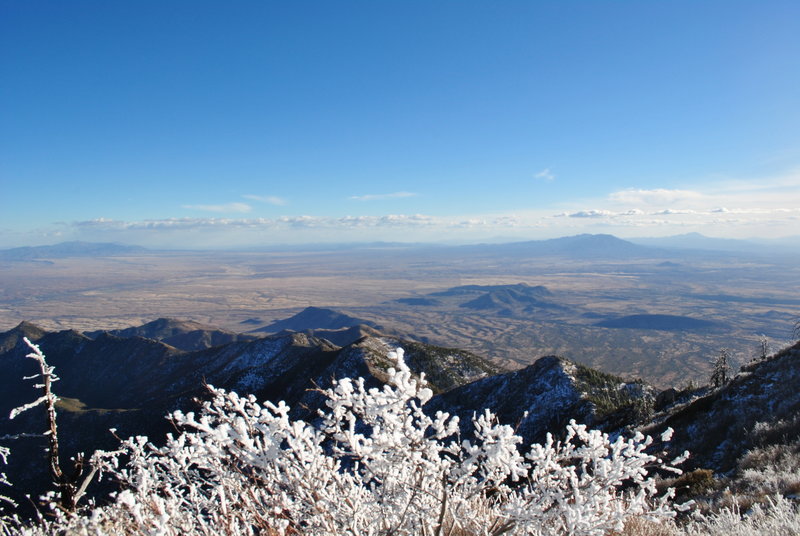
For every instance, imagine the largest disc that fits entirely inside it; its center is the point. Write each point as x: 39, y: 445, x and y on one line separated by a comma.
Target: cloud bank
x: 732, y: 209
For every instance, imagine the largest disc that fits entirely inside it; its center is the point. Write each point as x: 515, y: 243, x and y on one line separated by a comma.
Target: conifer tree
x: 721, y: 369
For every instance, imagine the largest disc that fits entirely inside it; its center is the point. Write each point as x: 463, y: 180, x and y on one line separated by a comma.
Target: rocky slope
x: 130, y: 382
x: 543, y: 397
x: 758, y: 407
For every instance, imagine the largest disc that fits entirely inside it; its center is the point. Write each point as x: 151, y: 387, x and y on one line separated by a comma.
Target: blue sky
x: 229, y: 124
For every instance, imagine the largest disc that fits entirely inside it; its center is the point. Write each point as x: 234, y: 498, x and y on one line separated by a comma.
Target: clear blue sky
x: 193, y: 123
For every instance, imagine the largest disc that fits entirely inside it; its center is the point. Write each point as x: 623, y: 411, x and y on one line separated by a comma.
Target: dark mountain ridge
x: 129, y: 383
x: 182, y: 334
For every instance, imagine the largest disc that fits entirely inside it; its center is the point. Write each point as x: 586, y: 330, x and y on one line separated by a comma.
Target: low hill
x: 505, y: 300
x: 523, y: 289
x: 510, y: 301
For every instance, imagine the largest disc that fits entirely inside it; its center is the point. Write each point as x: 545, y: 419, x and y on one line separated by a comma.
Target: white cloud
x: 382, y: 197
x: 243, y: 232
x: 545, y: 175
x: 672, y: 211
x: 769, y: 208
x: 227, y: 207
x: 271, y: 199
x: 590, y: 214
x: 754, y: 195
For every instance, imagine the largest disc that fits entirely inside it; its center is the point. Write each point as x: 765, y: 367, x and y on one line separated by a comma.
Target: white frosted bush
x: 7, y: 521
x: 375, y: 464
x: 779, y: 517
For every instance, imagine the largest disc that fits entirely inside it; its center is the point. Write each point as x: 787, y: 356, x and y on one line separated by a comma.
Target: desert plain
x: 743, y: 296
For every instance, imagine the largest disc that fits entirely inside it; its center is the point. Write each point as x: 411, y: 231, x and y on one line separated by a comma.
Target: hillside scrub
x: 7, y: 522
x: 375, y: 464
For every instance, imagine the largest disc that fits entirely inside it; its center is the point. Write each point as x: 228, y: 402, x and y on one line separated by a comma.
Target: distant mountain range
x: 697, y: 241
x: 69, y: 249
x: 583, y: 246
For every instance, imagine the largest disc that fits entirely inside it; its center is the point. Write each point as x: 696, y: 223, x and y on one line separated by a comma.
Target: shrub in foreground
x: 374, y: 464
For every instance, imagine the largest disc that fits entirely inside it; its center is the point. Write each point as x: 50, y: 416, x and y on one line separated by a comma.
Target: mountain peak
x: 13, y: 337
x: 29, y: 328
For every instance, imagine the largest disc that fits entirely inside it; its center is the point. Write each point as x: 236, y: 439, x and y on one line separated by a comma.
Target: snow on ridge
x: 257, y: 354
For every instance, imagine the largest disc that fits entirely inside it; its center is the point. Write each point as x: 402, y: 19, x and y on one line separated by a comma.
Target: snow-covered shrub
x: 779, y: 517
x: 7, y: 521
x: 376, y: 464
x: 770, y: 470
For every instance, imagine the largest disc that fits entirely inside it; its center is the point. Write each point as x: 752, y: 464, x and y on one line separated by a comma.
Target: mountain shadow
x: 315, y: 318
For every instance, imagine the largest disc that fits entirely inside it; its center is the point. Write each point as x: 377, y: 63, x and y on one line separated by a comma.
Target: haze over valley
x: 639, y: 311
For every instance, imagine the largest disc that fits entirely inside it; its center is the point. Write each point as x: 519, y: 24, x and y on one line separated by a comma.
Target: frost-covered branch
x: 71, y: 488
x: 7, y: 522
x: 48, y: 399
x: 376, y: 465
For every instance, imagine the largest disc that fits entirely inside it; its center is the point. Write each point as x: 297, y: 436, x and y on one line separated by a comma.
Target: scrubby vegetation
x: 610, y: 394
x: 376, y: 464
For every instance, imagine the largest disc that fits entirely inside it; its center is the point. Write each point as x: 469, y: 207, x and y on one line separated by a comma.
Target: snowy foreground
x: 375, y: 464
